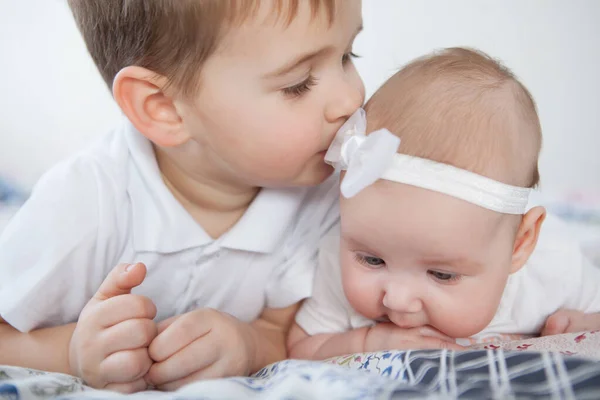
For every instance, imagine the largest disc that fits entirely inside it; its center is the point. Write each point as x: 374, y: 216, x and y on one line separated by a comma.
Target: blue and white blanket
x: 427, y: 374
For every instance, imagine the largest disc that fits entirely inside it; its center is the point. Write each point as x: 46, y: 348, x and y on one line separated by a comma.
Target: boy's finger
x: 179, y: 334
x: 121, y: 280
x: 126, y: 366
x: 122, y: 308
x: 128, y: 388
x: 213, y: 371
x: 164, y: 324
x: 130, y: 334
x: 193, y: 358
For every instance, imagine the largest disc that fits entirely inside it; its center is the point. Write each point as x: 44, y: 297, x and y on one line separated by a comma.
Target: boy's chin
x: 313, y: 175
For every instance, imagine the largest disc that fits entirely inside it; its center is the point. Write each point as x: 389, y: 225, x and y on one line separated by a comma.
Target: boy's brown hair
x: 171, y: 38
x: 461, y: 107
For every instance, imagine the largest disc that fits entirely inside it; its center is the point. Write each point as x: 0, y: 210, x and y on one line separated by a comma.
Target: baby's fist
x: 570, y: 321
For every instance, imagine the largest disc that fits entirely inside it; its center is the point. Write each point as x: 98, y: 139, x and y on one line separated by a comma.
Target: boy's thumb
x: 121, y: 280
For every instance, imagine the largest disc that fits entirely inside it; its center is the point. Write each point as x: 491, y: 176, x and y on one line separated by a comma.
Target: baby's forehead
x: 402, y: 216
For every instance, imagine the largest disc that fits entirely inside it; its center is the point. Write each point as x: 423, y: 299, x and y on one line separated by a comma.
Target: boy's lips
x: 322, y: 153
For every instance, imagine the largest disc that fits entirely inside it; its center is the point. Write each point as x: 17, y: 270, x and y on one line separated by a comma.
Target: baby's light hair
x: 172, y: 38
x: 461, y: 107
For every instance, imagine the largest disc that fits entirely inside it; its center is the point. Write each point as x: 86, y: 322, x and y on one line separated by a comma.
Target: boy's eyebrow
x: 304, y: 58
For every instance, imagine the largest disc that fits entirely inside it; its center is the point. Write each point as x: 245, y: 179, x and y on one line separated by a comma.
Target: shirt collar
x: 161, y: 224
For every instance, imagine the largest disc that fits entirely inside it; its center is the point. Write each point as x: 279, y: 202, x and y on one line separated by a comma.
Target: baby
x: 435, y: 236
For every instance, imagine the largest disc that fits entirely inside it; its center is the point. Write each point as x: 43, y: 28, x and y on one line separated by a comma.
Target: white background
x: 53, y: 102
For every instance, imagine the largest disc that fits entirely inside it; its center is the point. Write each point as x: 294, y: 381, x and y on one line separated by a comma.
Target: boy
x: 230, y: 108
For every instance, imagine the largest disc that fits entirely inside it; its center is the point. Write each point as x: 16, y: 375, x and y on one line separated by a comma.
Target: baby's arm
x: 383, y: 336
x: 325, y: 345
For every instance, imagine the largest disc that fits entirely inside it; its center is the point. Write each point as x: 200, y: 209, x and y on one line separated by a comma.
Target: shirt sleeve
x: 327, y: 310
x: 293, y: 279
x: 49, y: 253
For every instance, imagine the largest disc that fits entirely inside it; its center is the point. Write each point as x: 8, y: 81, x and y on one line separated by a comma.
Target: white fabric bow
x: 365, y: 158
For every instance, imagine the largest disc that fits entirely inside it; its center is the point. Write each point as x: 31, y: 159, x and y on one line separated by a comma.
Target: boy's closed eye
x: 303, y: 87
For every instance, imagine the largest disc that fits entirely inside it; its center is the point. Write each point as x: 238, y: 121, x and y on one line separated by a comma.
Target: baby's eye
x: 369, y: 261
x: 444, y: 276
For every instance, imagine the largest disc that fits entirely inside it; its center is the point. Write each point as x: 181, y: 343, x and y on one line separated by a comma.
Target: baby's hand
x: 109, y: 347
x: 387, y: 336
x: 570, y: 321
x: 202, y: 344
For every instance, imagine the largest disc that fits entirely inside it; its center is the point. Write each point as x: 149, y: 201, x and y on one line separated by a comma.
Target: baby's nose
x: 402, y: 299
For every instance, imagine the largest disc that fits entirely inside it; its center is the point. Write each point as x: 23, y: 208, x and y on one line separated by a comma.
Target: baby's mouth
x: 405, y: 321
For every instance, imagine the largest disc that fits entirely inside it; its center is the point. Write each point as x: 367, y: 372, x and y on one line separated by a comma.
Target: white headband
x: 369, y: 158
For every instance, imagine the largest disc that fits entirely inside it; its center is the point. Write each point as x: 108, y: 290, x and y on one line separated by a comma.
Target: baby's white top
x: 109, y: 205
x: 556, y: 276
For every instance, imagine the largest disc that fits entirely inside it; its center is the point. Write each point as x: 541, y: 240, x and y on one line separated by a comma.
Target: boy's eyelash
x: 305, y: 86
x: 301, y: 88
x: 349, y: 56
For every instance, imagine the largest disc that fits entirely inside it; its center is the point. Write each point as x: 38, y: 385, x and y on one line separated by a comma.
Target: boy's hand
x: 570, y: 321
x: 387, y: 336
x: 109, y: 347
x: 202, y: 344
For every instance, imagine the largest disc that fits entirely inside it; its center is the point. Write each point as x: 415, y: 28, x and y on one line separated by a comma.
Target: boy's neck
x: 214, y: 205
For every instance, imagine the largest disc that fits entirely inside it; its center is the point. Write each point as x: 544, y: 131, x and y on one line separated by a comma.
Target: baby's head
x: 247, y: 92
x: 421, y: 257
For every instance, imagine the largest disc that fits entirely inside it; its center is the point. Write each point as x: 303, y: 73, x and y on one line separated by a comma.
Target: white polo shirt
x: 556, y: 276
x: 109, y: 205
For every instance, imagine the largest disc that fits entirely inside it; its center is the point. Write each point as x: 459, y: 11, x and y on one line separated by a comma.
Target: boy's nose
x: 399, y: 298
x: 345, y: 102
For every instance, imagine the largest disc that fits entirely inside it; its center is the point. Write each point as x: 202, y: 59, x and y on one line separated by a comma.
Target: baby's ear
x: 140, y: 95
x: 527, y: 237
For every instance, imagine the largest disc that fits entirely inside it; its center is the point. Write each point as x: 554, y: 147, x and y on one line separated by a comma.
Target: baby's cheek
x: 466, y: 318
x: 361, y: 293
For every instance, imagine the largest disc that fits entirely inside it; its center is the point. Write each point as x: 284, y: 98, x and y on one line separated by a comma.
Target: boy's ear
x: 527, y: 237
x: 140, y: 95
